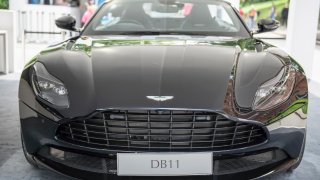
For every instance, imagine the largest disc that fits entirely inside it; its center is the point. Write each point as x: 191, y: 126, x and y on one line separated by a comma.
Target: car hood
x: 195, y: 76
x: 103, y: 74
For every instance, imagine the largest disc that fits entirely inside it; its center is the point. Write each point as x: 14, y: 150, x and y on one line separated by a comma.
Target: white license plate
x: 164, y: 164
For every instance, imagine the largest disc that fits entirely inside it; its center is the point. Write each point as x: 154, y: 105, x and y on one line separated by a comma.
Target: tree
x: 4, y: 4
x: 249, y: 2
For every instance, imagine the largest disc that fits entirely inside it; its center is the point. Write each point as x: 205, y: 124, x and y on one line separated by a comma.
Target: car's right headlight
x: 49, y: 88
x: 275, y: 91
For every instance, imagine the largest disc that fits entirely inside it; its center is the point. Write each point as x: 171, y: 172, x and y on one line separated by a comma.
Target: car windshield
x: 172, y: 17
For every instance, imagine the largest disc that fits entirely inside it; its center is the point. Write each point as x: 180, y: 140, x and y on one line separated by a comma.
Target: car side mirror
x: 267, y: 25
x: 67, y: 23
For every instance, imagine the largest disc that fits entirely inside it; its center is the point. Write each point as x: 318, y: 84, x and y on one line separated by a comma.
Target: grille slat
x: 97, y: 132
x: 141, y: 147
x: 86, y: 130
x: 106, y: 130
x: 71, y: 133
x: 141, y: 127
x: 127, y: 127
x: 149, y: 130
x: 234, y: 134
x: 251, y: 131
x: 163, y: 129
x: 172, y: 141
x: 170, y: 131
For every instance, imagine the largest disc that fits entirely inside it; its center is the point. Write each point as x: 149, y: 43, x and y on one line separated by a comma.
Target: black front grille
x: 161, y: 130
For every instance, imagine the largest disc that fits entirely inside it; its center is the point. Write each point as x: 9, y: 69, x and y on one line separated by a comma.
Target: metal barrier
x: 37, y: 21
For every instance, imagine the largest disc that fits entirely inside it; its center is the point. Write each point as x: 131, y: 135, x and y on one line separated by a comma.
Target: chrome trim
x: 296, y: 120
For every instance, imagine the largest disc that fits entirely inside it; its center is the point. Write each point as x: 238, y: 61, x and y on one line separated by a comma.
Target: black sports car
x: 164, y: 88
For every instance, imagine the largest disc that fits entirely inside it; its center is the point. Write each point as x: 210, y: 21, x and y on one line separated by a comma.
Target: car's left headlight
x: 275, y: 91
x: 49, y: 88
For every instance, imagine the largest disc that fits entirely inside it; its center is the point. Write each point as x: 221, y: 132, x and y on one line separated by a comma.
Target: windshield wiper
x: 137, y: 33
x: 187, y: 33
x: 179, y: 33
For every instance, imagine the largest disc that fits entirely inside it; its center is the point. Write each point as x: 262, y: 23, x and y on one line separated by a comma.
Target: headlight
x: 49, y: 88
x: 276, y: 90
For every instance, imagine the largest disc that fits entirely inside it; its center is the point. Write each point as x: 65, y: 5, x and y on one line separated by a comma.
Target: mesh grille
x: 247, y: 163
x: 165, y: 130
x: 108, y: 164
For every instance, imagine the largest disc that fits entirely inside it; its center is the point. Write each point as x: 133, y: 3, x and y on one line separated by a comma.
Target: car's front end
x: 79, y: 158
x: 83, y: 140
x: 280, y: 150
x: 116, y: 106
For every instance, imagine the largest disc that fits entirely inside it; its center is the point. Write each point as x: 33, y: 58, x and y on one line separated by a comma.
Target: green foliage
x: 264, y: 6
x: 4, y: 4
x: 249, y: 2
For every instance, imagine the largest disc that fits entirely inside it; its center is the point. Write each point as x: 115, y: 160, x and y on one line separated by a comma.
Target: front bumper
x: 286, y: 141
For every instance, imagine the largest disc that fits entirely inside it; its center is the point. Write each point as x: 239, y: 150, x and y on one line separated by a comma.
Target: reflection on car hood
x: 196, y: 76
x: 104, y: 73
